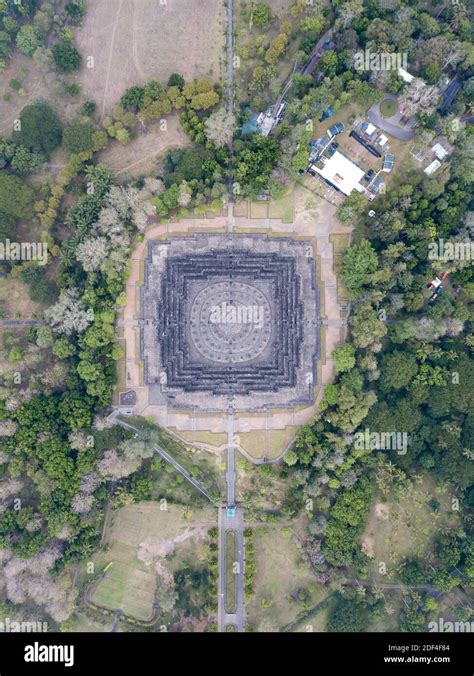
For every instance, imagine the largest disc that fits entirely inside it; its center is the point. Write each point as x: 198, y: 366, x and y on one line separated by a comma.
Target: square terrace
x: 230, y: 321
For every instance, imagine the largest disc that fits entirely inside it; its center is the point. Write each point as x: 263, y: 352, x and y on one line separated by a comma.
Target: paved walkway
x: 236, y: 524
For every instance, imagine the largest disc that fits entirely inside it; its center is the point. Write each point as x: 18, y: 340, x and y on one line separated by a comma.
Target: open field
x: 34, y: 86
x: 207, y: 438
x: 339, y: 242
x: 133, y: 41
x: 282, y: 208
x: 313, y: 622
x: 20, y: 68
x: 16, y: 302
x: 140, y: 156
x: 82, y: 623
x: 140, y: 540
x: 282, y: 571
x: 405, y: 527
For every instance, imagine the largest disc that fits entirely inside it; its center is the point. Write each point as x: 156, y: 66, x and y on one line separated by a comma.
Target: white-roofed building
x: 431, y: 168
x: 341, y: 173
x: 368, y: 128
x: 439, y: 151
x: 405, y: 75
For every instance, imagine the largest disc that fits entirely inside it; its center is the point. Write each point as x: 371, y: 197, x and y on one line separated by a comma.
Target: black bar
x: 321, y: 653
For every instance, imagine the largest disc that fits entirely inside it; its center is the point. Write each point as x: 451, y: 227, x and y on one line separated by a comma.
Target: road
x: 230, y: 108
x: 316, y: 54
x: 117, y: 617
x: 235, y: 523
x: 395, y: 130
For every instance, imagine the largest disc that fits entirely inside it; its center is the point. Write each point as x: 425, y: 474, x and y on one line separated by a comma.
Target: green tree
x: 261, y: 14
x: 76, y: 11
x: 176, y: 80
x: 133, y: 98
x: 40, y: 128
x: 79, y: 136
x: 26, y: 162
x: 255, y: 162
x: 347, y: 615
x: 16, y: 198
x: 352, y: 207
x: 44, y: 337
x: 66, y: 57
x: 366, y: 326
x: 397, y: 370
x: 412, y: 572
x: 16, y: 354
x: 28, y: 39
x: 344, y: 357
x: 89, y: 107
x: 312, y: 23
x: 358, y: 262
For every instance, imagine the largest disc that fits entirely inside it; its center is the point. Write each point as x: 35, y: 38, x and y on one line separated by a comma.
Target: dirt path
x: 141, y: 155
x: 136, y: 41
x: 109, y: 65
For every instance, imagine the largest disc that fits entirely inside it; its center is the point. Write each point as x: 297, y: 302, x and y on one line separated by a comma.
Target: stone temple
x: 229, y: 322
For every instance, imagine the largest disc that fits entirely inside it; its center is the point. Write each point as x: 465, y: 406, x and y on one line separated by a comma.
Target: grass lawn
x: 314, y: 622
x: 259, y: 209
x: 140, y: 156
x: 339, y: 242
x: 388, y: 108
x: 267, y: 442
x: 16, y: 301
x: 282, y: 569
x: 241, y: 208
x: 201, y: 437
x: 129, y: 582
x: 230, y: 576
x: 283, y: 208
x: 398, y: 528
x: 82, y: 623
